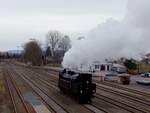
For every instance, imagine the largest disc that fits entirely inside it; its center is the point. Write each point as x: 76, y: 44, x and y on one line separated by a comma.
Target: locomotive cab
x: 78, y: 84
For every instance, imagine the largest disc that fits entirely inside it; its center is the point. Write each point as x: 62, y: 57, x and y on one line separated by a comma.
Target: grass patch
x: 54, y: 65
x: 143, y: 68
x: 2, y: 87
x: 5, y: 103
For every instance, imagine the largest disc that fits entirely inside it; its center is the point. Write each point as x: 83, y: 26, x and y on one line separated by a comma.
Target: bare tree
x: 53, y: 38
x: 65, y: 44
x: 33, y: 52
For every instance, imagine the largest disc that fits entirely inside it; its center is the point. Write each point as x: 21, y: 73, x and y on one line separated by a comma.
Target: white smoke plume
x: 114, y: 39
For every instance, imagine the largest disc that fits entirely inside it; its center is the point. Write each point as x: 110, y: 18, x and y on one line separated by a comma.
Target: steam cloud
x: 114, y: 39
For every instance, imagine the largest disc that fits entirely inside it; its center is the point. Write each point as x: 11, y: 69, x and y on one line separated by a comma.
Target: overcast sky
x: 21, y: 20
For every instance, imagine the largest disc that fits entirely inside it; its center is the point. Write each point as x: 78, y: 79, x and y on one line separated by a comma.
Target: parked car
x: 146, y: 75
x: 112, y: 73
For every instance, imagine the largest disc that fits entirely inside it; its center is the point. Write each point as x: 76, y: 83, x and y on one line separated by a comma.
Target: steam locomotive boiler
x: 77, y: 84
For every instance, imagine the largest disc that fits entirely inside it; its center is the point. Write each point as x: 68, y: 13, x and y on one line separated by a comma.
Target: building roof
x: 118, y: 65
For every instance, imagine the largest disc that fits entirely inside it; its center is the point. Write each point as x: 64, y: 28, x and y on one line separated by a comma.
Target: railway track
x: 125, y: 94
x: 120, y: 104
x: 56, y: 71
x: 131, y: 99
x: 19, y: 104
x: 113, y: 85
x: 92, y: 108
x: 54, y: 85
x: 104, y: 110
x: 89, y: 109
x: 51, y: 103
x: 128, y: 106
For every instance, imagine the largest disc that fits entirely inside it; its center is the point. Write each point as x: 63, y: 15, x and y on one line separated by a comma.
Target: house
x: 119, y: 68
x: 98, y: 66
x: 107, y: 67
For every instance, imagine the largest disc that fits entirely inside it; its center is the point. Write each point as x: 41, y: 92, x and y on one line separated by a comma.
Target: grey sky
x: 24, y: 19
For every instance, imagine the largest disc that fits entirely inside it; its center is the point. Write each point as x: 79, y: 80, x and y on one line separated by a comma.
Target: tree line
x: 56, y: 46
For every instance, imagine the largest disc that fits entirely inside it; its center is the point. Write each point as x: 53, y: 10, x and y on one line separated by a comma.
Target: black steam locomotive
x: 77, y: 84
